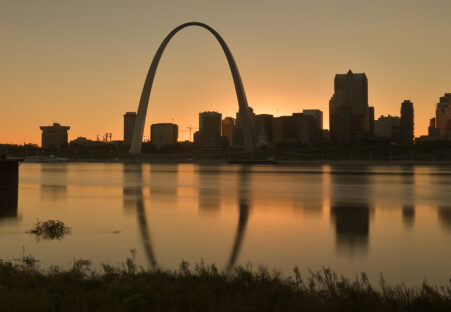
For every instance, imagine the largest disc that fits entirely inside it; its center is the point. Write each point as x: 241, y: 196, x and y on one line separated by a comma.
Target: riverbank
x: 285, y: 162
x: 25, y: 287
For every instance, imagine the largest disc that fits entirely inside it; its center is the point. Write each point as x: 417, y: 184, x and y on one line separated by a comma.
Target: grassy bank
x: 25, y: 287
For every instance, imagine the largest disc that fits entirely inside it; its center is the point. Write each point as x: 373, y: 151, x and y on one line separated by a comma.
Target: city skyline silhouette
x: 288, y: 55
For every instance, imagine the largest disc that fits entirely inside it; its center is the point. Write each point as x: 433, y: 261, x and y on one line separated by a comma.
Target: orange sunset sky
x: 83, y: 63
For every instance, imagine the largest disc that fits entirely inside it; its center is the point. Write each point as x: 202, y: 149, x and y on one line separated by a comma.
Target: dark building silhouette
x: 209, y: 134
x: 55, y: 135
x: 407, y: 126
x: 237, y: 136
x: 164, y: 134
x: 317, y: 115
x: 82, y: 141
x: 371, y: 121
x: 443, y: 115
x: 348, y: 109
x: 297, y: 128
x: 129, y: 125
x: 227, y: 126
x: 285, y: 129
x: 387, y: 128
x: 307, y: 128
x: 433, y: 131
x: 263, y: 122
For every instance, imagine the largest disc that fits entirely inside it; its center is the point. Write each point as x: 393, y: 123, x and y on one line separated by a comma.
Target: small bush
x: 49, y: 230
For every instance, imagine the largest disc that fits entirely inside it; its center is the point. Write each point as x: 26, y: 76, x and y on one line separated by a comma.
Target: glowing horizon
x: 83, y: 64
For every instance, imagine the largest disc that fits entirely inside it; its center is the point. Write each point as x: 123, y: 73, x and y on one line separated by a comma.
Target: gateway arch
x: 138, y: 130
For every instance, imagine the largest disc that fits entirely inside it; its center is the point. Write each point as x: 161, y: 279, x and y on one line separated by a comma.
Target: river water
x: 389, y: 220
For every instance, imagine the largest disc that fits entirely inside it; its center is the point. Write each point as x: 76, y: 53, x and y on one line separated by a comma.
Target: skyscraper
x: 348, y: 108
x: 227, y: 126
x: 407, y: 130
x: 237, y: 136
x: 210, y: 130
x: 443, y: 114
x: 55, y: 135
x: 129, y: 124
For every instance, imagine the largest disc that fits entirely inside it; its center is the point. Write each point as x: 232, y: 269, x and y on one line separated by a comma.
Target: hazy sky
x: 83, y: 63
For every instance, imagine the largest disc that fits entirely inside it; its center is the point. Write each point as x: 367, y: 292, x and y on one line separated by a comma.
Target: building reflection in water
x: 350, y: 209
x: 444, y: 215
x: 308, y: 198
x: 163, y: 182
x: 408, y: 196
x: 53, y: 181
x: 209, y: 189
x: 132, y: 185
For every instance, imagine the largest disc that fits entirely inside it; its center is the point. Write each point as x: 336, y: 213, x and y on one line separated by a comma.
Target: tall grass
x: 127, y: 287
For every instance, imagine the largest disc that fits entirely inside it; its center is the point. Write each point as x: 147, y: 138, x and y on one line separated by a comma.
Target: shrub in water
x: 50, y: 229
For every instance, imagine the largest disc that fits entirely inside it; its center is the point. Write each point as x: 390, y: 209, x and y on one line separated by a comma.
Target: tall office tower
x: 371, y: 121
x: 263, y: 126
x: 348, y: 108
x: 228, y: 124
x: 433, y: 131
x: 55, y: 135
x: 318, y: 118
x: 237, y: 136
x: 407, y: 136
x: 129, y: 124
x: 164, y: 134
x: 443, y: 114
x: 210, y: 130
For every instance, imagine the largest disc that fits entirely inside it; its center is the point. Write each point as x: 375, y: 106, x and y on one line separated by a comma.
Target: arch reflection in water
x: 350, y: 209
x: 243, y: 204
x: 133, y: 198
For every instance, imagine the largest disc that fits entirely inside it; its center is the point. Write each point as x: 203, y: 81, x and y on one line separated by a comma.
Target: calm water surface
x: 390, y: 220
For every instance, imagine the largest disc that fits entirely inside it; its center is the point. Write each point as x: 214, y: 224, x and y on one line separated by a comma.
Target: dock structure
x: 9, y: 185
